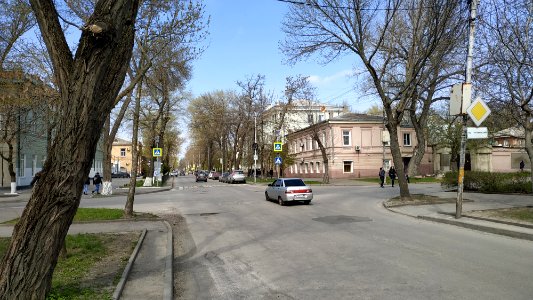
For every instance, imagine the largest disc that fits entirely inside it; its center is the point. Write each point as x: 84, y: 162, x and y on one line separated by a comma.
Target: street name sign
x: 278, y: 147
x: 478, y: 111
x: 477, y: 133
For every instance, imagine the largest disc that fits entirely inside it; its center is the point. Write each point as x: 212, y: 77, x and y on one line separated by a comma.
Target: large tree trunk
x: 107, y: 185
x: 398, y: 161
x: 89, y: 84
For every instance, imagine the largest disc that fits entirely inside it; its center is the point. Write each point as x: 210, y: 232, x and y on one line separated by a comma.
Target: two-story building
x: 122, y: 156
x: 357, y: 145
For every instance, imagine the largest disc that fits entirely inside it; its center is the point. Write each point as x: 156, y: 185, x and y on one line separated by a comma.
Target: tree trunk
x: 107, y: 185
x: 398, y: 161
x: 128, y: 208
x: 88, y: 83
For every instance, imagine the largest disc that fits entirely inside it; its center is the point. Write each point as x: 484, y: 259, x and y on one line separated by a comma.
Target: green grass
x: 412, y: 180
x: 101, y: 214
x: 519, y: 213
x: 97, y: 214
x: 83, y: 251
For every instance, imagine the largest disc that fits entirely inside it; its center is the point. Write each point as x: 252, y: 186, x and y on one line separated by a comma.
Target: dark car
x: 201, y: 176
x: 224, y: 177
x: 120, y: 175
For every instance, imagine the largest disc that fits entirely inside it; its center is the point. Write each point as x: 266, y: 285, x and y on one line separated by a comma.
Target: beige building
x: 121, y: 156
x: 357, y: 145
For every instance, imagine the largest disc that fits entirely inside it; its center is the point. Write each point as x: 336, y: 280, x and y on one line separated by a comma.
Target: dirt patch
x: 106, y: 272
x: 420, y: 199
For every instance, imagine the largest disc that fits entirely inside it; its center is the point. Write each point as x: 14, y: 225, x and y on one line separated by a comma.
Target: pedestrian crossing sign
x: 278, y: 147
x: 277, y: 160
x: 157, y: 152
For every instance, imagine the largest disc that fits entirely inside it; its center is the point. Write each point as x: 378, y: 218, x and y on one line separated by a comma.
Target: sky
x: 243, y: 41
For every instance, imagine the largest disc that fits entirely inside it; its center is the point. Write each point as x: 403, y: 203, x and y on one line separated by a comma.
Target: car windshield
x: 294, y: 182
x: 239, y: 172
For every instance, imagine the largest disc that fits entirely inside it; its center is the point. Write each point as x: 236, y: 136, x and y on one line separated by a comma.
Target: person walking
x: 97, y: 181
x: 86, y: 185
x: 392, y: 175
x: 522, y: 165
x: 271, y: 173
x: 381, y: 176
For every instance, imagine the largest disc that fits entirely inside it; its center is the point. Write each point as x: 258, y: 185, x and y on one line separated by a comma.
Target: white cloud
x: 318, y: 80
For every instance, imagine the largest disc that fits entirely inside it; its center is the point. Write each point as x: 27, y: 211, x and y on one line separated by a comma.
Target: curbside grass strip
x: 168, y: 276
x: 125, y: 274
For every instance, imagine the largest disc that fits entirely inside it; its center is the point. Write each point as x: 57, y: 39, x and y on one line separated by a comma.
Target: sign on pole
x: 477, y: 133
x: 278, y: 147
x: 478, y: 111
x: 156, y: 152
x: 277, y: 160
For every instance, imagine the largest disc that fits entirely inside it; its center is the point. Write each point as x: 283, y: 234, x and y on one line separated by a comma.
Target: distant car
x: 237, y: 176
x: 201, y: 176
x: 214, y: 175
x: 223, y: 177
x: 174, y: 173
x: 120, y: 175
x: 284, y: 190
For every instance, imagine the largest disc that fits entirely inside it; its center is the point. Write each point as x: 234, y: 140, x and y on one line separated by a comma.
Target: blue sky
x: 244, y: 41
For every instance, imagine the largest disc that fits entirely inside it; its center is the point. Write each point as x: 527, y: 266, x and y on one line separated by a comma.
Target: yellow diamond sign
x: 478, y: 111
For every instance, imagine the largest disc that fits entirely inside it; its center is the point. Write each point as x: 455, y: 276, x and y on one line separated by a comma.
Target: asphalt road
x: 344, y: 245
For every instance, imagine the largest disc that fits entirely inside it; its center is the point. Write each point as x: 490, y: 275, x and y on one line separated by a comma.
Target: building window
x: 506, y: 143
x: 317, y: 167
x: 122, y: 152
x: 347, y: 167
x: 306, y: 168
x: 407, y: 139
x: 346, y: 138
x: 311, y: 167
x: 22, y: 165
x: 310, y: 118
x: 321, y: 118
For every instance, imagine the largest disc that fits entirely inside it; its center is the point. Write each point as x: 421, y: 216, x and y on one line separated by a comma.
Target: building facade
x: 357, y: 145
x: 122, y: 156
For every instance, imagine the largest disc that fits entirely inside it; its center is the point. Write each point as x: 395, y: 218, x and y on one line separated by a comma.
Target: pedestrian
x: 407, y: 177
x: 86, y: 185
x: 392, y: 175
x: 522, y: 165
x: 271, y: 173
x: 36, y: 177
x: 381, y: 176
x: 97, y: 180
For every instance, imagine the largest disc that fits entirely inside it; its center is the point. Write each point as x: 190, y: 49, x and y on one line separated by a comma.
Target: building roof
x: 357, y: 117
x: 512, y: 131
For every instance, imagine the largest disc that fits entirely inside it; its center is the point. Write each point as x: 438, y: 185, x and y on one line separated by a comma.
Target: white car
x: 289, y: 189
x: 237, y: 176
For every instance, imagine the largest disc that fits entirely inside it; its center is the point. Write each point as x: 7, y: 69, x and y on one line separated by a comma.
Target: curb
x: 168, y: 275
x: 505, y: 232
x: 127, y: 270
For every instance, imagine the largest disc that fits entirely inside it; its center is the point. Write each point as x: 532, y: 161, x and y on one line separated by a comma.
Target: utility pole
x: 255, y: 148
x: 468, y: 79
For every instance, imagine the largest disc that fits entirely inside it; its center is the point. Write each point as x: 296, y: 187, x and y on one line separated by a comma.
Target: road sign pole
x: 468, y: 77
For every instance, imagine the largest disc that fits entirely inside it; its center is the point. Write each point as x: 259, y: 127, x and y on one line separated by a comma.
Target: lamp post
x: 255, y: 148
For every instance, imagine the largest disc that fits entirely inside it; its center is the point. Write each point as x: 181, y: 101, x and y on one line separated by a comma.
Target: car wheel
x: 307, y: 202
x: 280, y: 201
x: 266, y: 197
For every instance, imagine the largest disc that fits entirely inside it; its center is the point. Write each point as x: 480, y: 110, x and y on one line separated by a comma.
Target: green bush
x: 488, y: 182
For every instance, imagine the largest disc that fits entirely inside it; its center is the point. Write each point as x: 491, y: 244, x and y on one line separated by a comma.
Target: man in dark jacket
x: 97, y: 181
x: 392, y: 175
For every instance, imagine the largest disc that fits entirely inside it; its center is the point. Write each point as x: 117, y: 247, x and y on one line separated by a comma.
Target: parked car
x: 224, y: 177
x: 284, y: 190
x: 214, y: 175
x: 201, y: 176
x: 174, y: 173
x: 120, y: 175
x: 237, y: 176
